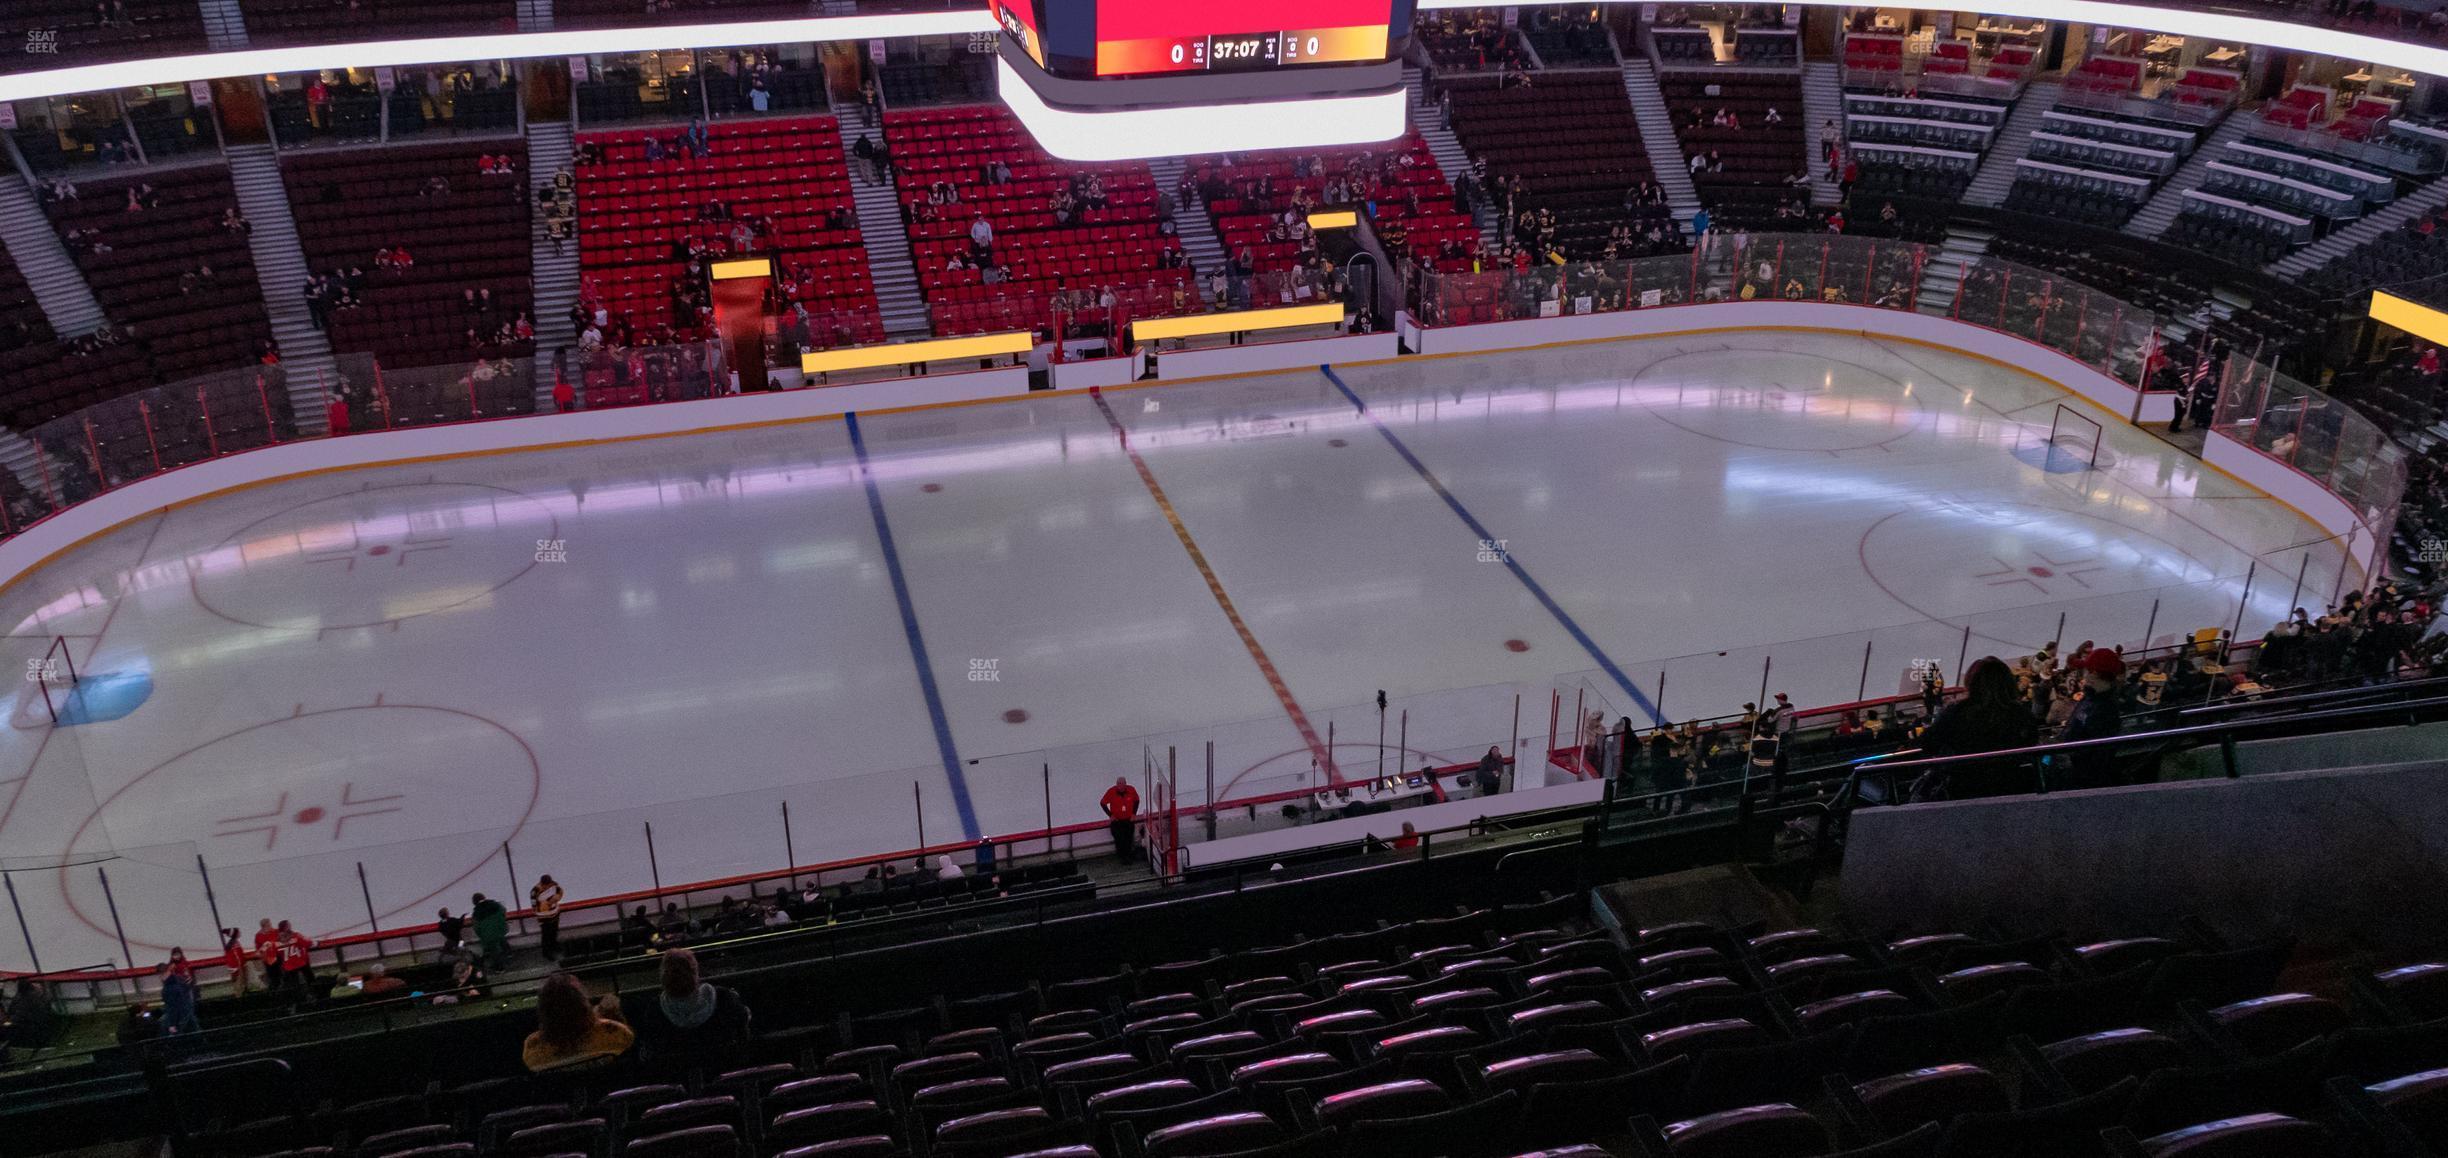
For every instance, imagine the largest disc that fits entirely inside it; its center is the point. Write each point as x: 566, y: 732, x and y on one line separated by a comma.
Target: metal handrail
x: 2226, y: 733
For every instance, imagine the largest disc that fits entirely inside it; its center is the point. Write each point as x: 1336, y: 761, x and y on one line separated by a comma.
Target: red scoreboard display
x: 1144, y: 37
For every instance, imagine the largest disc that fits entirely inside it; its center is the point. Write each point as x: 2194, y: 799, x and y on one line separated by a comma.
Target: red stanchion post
x: 1870, y: 276
x: 2005, y: 288
x: 212, y: 441
x: 1824, y: 246
x: 93, y: 454
x: 144, y: 415
x: 271, y: 428
x: 2048, y: 300
x: 1963, y: 276
x: 382, y: 396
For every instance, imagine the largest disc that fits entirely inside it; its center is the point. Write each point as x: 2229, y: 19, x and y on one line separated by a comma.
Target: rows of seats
x: 41, y: 34
x: 638, y: 219
x: 25, y: 334
x: 1466, y: 40
x: 1572, y: 141
x: 1915, y: 148
x: 350, y: 205
x: 1247, y: 195
x: 1873, y: 58
x: 1768, y: 47
x: 1489, y: 1033
x: 1120, y: 248
x: 329, y: 21
x: 2113, y: 196
x: 1756, y: 157
x: 1684, y: 45
x: 151, y: 281
x: 1569, y: 38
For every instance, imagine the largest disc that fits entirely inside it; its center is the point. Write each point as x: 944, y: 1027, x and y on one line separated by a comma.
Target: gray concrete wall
x: 2333, y: 857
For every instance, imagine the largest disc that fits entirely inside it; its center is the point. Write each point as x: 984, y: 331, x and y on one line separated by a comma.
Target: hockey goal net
x: 55, y: 674
x: 2074, y: 441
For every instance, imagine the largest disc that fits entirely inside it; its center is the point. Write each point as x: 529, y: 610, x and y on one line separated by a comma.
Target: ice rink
x: 949, y: 617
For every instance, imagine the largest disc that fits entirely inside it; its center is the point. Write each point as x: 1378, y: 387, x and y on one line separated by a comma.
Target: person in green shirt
x: 492, y: 930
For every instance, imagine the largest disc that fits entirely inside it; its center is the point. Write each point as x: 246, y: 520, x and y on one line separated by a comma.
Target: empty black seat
x: 1747, y: 1132
x: 1215, y: 1135
x: 1480, y: 1129
x: 700, y: 1142
x: 1721, y: 1033
x: 2250, y: 1136
x: 2280, y: 1021
x: 1401, y: 1098
x: 1907, y: 1100
x: 826, y: 1123
x: 1845, y: 1009
x: 1562, y: 1065
x: 2096, y: 1061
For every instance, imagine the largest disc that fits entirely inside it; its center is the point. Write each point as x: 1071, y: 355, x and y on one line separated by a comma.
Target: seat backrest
x: 827, y: 1122
x: 2068, y: 1126
x: 1213, y: 1135
x: 1475, y: 1128
x: 1002, y: 1125
x: 697, y: 1142
x: 1395, y: 1099
x: 822, y: 1089
x: 2249, y: 1136
x: 1561, y: 1065
x: 2095, y: 1061
x: 1747, y: 1131
x: 1908, y: 1100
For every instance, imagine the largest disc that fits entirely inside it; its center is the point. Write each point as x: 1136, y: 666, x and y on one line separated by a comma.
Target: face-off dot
x: 1015, y: 716
x: 932, y: 488
x: 308, y: 815
x: 1517, y: 645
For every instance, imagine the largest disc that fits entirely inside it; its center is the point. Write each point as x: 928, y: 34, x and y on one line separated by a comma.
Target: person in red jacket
x: 296, y: 972
x: 1121, y: 805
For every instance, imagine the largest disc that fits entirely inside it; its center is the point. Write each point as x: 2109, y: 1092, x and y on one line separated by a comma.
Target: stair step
x: 280, y: 266
x: 33, y: 242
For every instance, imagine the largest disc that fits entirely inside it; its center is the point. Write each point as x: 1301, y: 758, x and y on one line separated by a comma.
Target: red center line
x: 1215, y: 589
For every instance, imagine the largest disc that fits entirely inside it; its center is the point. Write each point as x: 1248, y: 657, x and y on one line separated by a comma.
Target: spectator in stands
x: 296, y: 967
x: 242, y: 969
x: 544, y: 899
x: 572, y: 1030
x: 947, y: 869
x: 2097, y: 714
x: 1991, y: 716
x: 1488, y: 777
x: 981, y: 237
x: 378, y: 983
x: 452, y: 930
x: 492, y: 922
x: 178, y: 998
x: 1121, y: 806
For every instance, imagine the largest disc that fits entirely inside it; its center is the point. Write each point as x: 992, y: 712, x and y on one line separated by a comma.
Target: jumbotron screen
x: 1111, y: 38
x: 1136, y: 37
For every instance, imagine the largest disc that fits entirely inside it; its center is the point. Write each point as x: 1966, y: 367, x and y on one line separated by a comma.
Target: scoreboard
x: 1238, y: 50
x: 1110, y: 79
x: 1138, y: 37
x: 1087, y: 39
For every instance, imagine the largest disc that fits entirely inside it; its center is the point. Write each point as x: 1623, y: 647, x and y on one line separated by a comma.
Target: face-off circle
x: 1955, y: 561
x: 1792, y: 400
x: 424, y: 797
x: 373, y: 557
